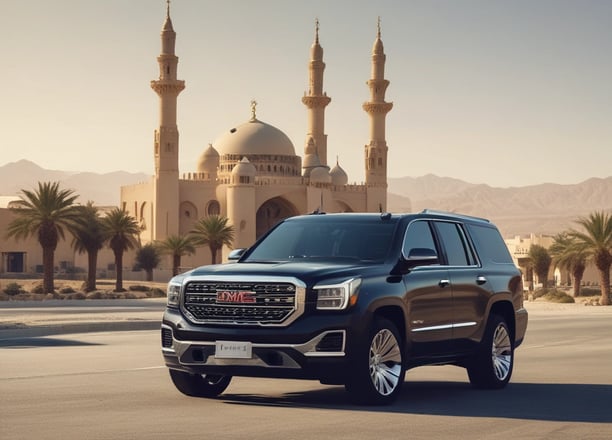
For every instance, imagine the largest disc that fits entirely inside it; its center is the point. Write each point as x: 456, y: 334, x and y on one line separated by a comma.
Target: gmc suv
x: 350, y: 299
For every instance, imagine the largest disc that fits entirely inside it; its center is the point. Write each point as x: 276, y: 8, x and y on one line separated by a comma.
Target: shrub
x: 138, y: 288
x: 96, y: 294
x: 38, y: 289
x: 156, y: 292
x: 67, y: 290
x: 538, y: 293
x: 590, y: 291
x: 558, y: 296
x: 13, y: 289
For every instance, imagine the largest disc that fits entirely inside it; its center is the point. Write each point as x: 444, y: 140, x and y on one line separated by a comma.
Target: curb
x: 81, y: 327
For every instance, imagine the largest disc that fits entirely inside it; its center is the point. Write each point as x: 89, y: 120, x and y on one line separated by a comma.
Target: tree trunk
x: 213, y: 253
x: 604, y: 276
x: 119, y: 271
x: 48, y: 269
x: 578, y: 273
x: 176, y: 263
x: 577, y: 283
x: 92, y: 263
x: 149, y: 274
x: 543, y: 279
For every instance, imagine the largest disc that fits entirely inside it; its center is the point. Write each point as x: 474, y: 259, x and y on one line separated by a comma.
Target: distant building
x: 250, y: 173
x: 519, y: 249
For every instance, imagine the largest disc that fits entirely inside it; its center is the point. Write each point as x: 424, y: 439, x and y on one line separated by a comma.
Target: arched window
x: 213, y: 208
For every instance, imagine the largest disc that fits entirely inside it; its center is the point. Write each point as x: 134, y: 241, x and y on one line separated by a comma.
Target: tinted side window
x: 489, y: 244
x: 418, y: 235
x: 453, y: 239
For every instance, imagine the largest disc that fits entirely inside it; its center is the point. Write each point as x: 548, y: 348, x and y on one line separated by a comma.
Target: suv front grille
x: 262, y: 303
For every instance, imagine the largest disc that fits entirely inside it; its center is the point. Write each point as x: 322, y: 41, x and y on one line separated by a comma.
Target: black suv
x: 350, y: 299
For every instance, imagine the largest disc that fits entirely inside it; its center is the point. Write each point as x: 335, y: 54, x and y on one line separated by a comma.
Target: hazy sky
x: 508, y: 93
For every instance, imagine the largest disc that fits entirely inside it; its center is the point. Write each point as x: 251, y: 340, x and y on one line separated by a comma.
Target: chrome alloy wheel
x: 385, y: 362
x: 501, y: 352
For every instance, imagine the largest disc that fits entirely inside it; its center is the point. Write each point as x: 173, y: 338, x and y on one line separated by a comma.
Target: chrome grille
x: 239, y: 302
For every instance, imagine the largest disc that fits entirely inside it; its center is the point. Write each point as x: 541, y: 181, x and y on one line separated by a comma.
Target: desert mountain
x: 103, y: 189
x: 547, y: 208
x: 542, y: 209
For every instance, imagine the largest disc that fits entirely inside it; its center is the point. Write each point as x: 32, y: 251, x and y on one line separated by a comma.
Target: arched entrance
x: 271, y: 212
x: 342, y: 206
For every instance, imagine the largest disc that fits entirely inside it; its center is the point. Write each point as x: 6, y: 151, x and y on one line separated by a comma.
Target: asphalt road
x: 113, y: 386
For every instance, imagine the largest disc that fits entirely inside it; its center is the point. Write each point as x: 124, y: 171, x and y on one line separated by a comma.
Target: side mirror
x: 236, y: 254
x: 422, y: 255
x: 416, y: 257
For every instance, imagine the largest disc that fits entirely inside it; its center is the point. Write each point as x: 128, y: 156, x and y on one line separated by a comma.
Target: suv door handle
x: 481, y: 280
x: 443, y: 283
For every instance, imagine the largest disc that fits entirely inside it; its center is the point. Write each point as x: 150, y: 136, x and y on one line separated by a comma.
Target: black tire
x: 378, y: 372
x: 199, y: 385
x: 491, y: 368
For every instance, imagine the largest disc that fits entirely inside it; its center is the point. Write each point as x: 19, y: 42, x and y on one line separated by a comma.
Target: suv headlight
x: 173, y: 293
x: 337, y: 296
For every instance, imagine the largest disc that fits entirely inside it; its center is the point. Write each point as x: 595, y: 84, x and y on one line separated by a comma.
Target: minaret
x: 376, y: 151
x: 316, y: 100
x: 166, y: 144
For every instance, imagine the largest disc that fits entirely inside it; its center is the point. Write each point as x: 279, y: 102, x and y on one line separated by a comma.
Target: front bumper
x: 313, y: 347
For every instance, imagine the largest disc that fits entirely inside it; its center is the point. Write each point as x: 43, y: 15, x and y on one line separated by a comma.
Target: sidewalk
x: 42, y: 318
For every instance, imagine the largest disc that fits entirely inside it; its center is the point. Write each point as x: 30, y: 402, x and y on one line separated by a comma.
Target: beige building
x: 519, y: 249
x: 251, y: 173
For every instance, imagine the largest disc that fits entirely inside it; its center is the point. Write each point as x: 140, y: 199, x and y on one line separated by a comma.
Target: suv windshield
x: 355, y: 239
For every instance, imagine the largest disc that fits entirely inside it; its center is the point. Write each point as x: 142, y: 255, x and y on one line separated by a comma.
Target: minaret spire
x: 316, y: 100
x: 377, y: 108
x: 166, y: 143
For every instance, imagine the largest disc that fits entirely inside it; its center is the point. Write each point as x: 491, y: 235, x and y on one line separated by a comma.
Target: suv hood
x: 308, y: 272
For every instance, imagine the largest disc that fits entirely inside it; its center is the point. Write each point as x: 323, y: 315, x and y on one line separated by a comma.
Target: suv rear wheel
x: 199, y: 385
x: 491, y: 368
x: 379, y: 371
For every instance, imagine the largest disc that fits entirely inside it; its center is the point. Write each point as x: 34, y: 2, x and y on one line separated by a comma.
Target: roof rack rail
x: 318, y: 212
x: 455, y: 214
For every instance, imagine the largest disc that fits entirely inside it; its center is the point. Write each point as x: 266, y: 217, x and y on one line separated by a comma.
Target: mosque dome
x: 320, y: 175
x: 255, y: 138
x: 338, y: 175
x: 209, y: 160
x: 244, y: 168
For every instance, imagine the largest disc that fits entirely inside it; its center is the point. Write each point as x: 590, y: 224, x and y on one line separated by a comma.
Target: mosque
x: 251, y: 174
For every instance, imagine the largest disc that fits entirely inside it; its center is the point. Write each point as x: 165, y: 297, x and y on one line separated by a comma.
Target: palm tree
x: 214, y: 232
x: 540, y: 261
x: 121, y: 230
x: 597, y: 241
x: 46, y: 213
x: 89, y: 237
x: 568, y: 254
x: 148, y: 259
x: 177, y: 246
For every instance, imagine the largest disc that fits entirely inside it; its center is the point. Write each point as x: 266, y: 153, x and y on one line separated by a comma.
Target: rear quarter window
x: 490, y: 245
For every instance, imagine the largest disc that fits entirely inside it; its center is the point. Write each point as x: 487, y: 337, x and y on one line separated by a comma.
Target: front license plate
x: 233, y: 350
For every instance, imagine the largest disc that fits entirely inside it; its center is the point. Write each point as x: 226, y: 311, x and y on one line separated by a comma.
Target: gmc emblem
x: 236, y: 297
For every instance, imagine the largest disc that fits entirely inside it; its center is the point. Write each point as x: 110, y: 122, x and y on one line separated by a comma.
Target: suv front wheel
x: 491, y: 368
x: 199, y: 385
x: 379, y: 372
